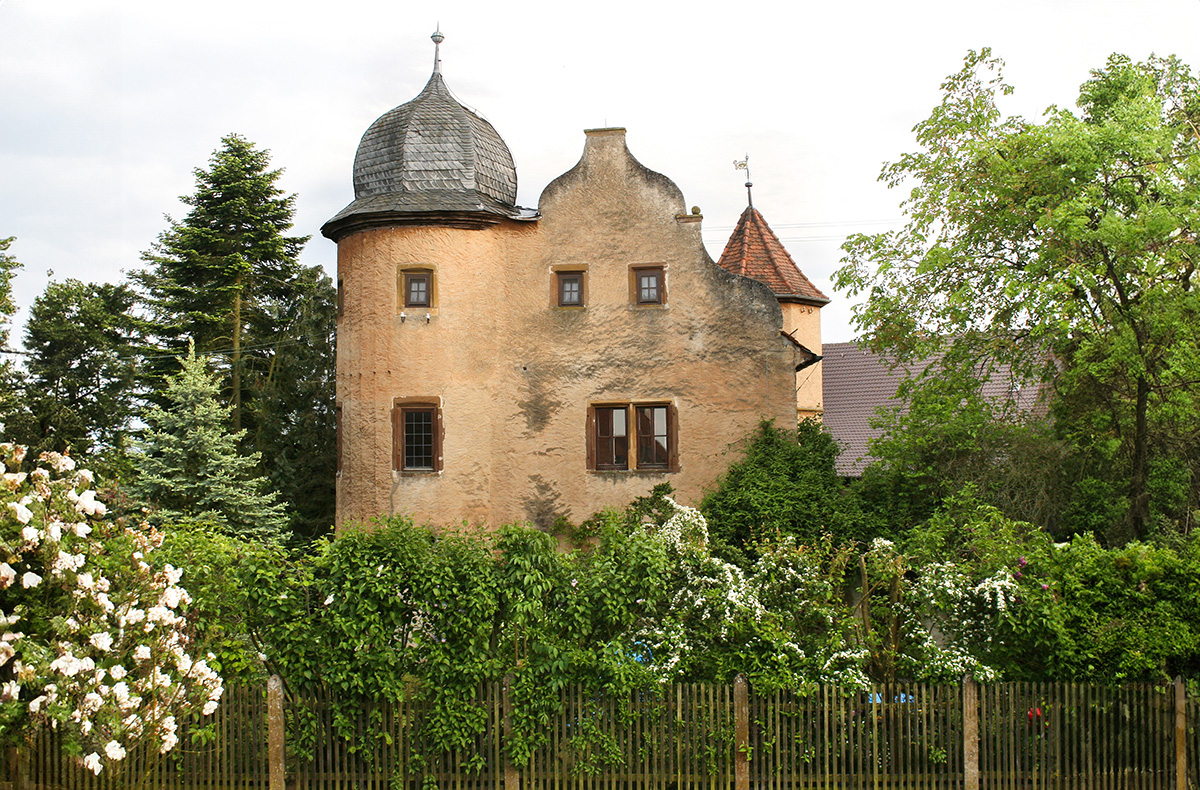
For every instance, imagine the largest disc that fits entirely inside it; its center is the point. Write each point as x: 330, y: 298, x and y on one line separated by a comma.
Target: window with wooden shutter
x: 632, y: 436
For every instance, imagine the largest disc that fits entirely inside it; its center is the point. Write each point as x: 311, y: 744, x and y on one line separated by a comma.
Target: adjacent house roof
x: 755, y: 251
x: 430, y: 161
x: 856, y: 382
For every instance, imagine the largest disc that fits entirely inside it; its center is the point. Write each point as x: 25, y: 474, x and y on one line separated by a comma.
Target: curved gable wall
x: 514, y: 374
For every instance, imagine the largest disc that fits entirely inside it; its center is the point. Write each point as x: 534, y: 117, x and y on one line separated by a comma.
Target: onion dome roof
x: 430, y: 161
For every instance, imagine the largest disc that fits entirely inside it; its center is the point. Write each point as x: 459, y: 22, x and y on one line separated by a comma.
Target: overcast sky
x: 106, y: 107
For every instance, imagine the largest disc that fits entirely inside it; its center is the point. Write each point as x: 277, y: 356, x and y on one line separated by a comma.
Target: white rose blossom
x: 22, y: 513
x: 65, y: 646
x: 92, y: 763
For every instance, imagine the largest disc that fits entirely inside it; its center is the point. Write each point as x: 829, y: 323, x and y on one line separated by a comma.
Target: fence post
x: 17, y: 768
x: 741, y: 730
x: 275, y: 752
x: 970, y: 713
x: 512, y: 779
x: 1181, y: 773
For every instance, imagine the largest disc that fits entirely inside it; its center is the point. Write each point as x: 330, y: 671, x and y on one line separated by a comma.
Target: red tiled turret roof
x: 755, y: 251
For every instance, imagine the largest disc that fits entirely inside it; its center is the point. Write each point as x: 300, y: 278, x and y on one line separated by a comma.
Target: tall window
x: 652, y: 437
x: 570, y: 289
x: 612, y: 437
x: 632, y: 436
x: 416, y: 438
x: 337, y: 435
x: 418, y: 289
x: 648, y: 285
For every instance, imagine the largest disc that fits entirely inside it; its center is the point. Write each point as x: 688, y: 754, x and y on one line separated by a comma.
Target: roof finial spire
x: 745, y: 165
x: 438, y: 38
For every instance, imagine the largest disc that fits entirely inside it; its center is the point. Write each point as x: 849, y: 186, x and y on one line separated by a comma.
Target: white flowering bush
x: 92, y: 637
x: 781, y: 622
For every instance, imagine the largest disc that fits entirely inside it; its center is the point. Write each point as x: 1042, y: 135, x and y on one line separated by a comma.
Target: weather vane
x: 745, y: 165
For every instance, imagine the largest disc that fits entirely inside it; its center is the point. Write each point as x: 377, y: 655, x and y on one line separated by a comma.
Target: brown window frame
x: 635, y: 285
x: 400, y: 437
x: 600, y: 461
x: 560, y: 279
x: 414, y: 275
x: 337, y: 435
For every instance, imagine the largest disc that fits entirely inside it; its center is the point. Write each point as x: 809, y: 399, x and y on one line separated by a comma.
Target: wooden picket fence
x: 1005, y: 736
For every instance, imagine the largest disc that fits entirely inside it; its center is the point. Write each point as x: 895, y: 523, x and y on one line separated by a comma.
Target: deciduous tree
x: 1065, y: 248
x: 80, y: 392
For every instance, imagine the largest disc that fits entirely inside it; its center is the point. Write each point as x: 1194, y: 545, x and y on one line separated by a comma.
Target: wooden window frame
x: 400, y: 439
x: 337, y: 435
x: 560, y: 278
x: 633, y: 454
x: 408, y: 277
x: 635, y: 289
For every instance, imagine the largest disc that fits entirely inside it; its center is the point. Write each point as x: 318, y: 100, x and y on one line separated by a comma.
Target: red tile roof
x: 755, y: 251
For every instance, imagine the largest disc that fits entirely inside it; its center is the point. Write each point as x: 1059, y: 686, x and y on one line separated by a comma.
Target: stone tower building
x: 500, y: 364
x: 755, y: 251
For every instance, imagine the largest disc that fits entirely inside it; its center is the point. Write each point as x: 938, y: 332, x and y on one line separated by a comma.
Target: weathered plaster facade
x: 516, y: 383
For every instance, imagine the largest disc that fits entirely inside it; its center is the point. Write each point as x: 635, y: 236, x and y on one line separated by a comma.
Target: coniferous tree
x: 191, y: 469
x: 220, y: 277
x: 227, y: 277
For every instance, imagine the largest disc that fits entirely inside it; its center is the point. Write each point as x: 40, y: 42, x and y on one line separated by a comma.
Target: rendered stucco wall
x: 803, y: 322
x: 514, y: 374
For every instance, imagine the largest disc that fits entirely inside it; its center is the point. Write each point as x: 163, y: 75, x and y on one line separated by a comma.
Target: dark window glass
x: 612, y: 438
x: 570, y: 289
x: 649, y: 286
x: 416, y: 289
x: 652, y: 437
x: 418, y: 439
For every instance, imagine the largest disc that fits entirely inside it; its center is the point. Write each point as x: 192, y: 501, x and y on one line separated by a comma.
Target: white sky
x: 106, y: 107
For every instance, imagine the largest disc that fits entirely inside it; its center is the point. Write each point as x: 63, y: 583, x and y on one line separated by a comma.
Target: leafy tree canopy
x: 785, y: 484
x: 1065, y: 249
x: 80, y: 391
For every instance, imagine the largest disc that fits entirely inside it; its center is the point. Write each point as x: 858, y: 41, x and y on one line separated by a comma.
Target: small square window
x: 417, y: 288
x: 648, y: 285
x: 570, y: 289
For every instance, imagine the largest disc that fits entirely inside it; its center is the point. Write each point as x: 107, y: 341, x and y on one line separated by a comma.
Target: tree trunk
x: 236, y: 366
x: 1139, y: 494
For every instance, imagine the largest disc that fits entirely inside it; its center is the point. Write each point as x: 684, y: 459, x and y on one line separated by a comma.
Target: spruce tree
x: 220, y: 277
x: 226, y: 277
x: 191, y: 470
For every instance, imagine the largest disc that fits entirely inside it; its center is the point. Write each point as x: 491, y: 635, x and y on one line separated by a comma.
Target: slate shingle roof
x: 428, y: 156
x: 755, y: 251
